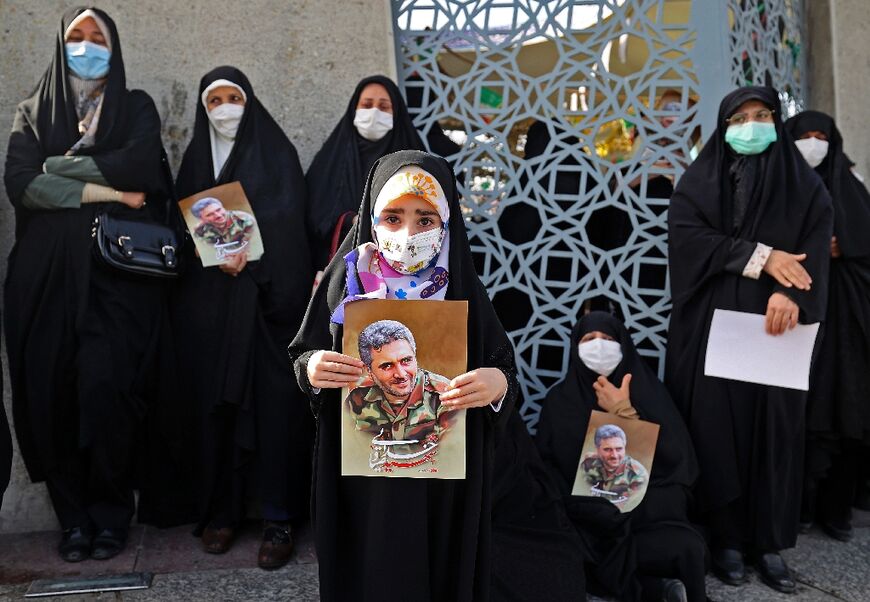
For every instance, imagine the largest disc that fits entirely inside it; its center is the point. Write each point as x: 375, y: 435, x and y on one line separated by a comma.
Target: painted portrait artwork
x: 617, y: 460
x: 392, y: 420
x: 222, y: 224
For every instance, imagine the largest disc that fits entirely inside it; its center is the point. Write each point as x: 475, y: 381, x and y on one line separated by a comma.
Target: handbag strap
x: 336, y: 233
x: 170, y: 187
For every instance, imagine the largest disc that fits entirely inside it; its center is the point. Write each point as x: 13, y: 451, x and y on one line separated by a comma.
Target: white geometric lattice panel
x: 584, y: 218
x: 767, y: 47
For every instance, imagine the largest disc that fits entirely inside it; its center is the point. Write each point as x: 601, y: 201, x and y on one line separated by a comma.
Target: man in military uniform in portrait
x: 397, y: 401
x: 609, y: 471
x: 228, y: 231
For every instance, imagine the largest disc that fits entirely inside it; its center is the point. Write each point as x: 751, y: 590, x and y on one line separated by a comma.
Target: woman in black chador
x: 376, y: 123
x: 80, y: 336
x: 233, y: 324
x: 426, y: 538
x: 749, y: 229
x: 652, y: 552
x: 838, y: 406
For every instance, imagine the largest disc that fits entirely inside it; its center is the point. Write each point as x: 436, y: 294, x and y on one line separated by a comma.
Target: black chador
x: 536, y: 552
x: 838, y: 406
x: 337, y: 174
x: 427, y: 538
x: 254, y: 429
x: 749, y: 438
x: 5, y: 452
x: 80, y: 337
x: 631, y: 552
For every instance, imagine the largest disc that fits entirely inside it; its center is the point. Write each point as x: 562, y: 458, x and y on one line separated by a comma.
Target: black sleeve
x: 314, y: 335
x: 24, y: 158
x: 816, y: 243
x: 738, y: 257
x: 136, y: 166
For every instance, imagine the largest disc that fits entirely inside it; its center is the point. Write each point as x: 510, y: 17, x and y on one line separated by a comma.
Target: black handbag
x: 138, y: 247
x: 142, y: 247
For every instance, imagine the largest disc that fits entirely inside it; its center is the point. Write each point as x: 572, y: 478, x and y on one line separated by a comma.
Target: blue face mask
x: 750, y: 138
x: 87, y: 60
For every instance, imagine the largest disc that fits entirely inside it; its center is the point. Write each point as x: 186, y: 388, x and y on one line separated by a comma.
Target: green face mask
x: 750, y: 138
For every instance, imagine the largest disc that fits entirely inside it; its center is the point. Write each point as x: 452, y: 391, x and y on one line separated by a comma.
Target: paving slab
x: 297, y: 582
x: 176, y: 550
x: 25, y: 557
x: 827, y: 570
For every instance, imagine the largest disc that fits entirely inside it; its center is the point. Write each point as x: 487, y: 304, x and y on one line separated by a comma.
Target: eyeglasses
x: 741, y: 118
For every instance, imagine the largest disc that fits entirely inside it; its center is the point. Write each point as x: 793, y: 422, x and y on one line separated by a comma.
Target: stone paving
x: 827, y: 570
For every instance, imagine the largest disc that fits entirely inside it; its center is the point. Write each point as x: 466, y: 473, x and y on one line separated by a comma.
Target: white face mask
x: 225, y: 118
x: 409, y: 254
x: 813, y: 150
x: 600, y: 355
x: 372, y: 124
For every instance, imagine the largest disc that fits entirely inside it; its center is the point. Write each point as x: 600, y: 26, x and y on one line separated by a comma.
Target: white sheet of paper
x: 740, y: 349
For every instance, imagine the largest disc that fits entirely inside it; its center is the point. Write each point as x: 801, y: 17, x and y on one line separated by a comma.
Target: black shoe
x: 673, y: 590
x: 277, y: 546
x: 108, y: 543
x: 728, y: 566
x: 775, y: 573
x: 75, y: 544
x: 838, y: 533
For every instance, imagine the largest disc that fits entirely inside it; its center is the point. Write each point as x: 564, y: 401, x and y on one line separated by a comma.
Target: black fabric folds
x: 446, y: 521
x: 838, y: 412
x: 748, y: 438
x: 81, y: 339
x: 537, y: 553
x: 5, y: 450
x: 627, y: 548
x: 338, y: 172
x: 231, y: 333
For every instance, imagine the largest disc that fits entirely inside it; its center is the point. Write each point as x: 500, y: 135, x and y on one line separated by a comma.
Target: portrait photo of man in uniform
x: 222, y: 225
x: 228, y: 231
x: 393, y: 423
x: 614, y: 469
x: 398, y: 401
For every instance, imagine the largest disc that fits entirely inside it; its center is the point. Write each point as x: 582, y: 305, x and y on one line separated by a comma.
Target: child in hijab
x: 409, y: 241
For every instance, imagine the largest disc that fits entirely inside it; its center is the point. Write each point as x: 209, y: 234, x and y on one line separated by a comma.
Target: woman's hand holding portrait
x: 333, y: 370
x: 475, y: 389
x: 235, y: 264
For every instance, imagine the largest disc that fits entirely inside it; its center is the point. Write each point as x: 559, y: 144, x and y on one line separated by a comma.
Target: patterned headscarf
x: 378, y: 278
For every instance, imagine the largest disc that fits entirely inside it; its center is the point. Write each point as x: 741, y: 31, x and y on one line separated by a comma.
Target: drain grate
x: 86, y: 585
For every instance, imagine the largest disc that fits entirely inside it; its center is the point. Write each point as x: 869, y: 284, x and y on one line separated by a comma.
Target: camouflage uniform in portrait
x: 420, y: 417
x: 629, y: 477
x: 239, y: 227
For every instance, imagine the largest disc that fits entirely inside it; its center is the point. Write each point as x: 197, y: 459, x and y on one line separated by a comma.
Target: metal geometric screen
x: 566, y: 122
x: 766, y: 42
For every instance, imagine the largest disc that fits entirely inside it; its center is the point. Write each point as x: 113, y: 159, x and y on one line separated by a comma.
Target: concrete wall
x: 820, y: 59
x: 303, y: 58
x: 850, y: 24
